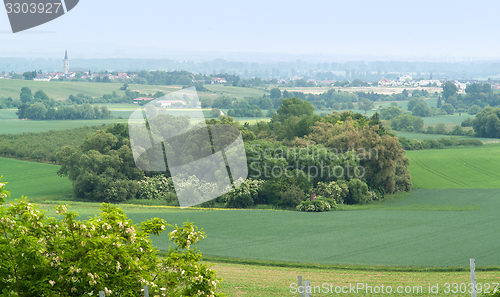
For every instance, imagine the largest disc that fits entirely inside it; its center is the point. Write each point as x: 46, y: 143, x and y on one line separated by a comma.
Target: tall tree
x: 449, y: 89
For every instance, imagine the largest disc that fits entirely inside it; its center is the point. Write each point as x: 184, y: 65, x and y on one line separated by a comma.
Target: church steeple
x: 66, y: 64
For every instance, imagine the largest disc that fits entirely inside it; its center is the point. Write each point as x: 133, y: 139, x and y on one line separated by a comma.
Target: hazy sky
x: 208, y: 29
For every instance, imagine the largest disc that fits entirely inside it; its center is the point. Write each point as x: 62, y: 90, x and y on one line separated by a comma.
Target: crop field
x: 33, y: 179
x: 472, y: 168
x: 455, y: 119
x: 426, y: 227
x: 8, y: 114
x: 57, y: 90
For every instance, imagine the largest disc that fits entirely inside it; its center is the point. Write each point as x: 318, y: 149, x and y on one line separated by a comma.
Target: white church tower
x: 66, y: 64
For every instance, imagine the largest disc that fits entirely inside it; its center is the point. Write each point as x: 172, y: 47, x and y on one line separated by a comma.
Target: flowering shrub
x: 155, y: 188
x: 245, y: 194
x: 43, y: 256
x: 337, y: 190
x: 317, y: 205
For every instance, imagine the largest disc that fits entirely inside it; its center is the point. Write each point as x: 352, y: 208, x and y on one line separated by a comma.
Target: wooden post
x: 300, y: 285
x: 313, y: 196
x: 307, y: 285
x: 473, y: 276
x: 102, y: 294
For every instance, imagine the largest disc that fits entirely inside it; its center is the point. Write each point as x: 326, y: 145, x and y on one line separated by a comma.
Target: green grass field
x: 57, y: 90
x: 33, y: 180
x: 471, y: 168
x: 455, y: 119
x: 428, y: 227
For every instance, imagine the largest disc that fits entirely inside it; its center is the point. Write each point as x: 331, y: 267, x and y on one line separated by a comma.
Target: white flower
x: 52, y: 282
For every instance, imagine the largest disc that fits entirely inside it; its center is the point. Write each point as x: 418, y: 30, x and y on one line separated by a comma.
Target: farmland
x: 471, y: 168
x: 426, y: 227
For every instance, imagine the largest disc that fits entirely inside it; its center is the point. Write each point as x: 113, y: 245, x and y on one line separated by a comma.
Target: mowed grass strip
x: 33, y: 179
x: 466, y: 168
x: 250, y: 280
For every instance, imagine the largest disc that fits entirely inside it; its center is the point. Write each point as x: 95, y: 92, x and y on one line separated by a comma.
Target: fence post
x: 473, y: 276
x: 307, y: 285
x: 300, y: 285
x: 102, y: 294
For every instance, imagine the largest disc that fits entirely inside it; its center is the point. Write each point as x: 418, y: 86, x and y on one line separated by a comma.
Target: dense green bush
x: 358, y: 192
x: 292, y: 197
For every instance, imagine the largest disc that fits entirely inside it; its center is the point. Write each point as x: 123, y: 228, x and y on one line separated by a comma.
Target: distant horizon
x: 265, y: 31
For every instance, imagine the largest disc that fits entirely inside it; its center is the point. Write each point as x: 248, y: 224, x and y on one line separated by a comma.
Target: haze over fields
x: 265, y: 31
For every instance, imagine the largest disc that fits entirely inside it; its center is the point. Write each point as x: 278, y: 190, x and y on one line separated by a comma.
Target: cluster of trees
x: 478, y: 94
x: 40, y: 111
x: 487, y: 123
x: 102, y: 168
x: 40, y: 107
x: 287, y: 158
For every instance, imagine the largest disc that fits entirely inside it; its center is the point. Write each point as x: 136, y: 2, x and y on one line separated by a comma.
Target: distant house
x: 123, y: 75
x: 219, y: 80
x: 168, y: 103
x: 43, y: 77
x: 140, y: 99
x: 384, y: 82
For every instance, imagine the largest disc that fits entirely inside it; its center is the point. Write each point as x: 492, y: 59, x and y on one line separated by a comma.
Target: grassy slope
x: 33, y: 179
x: 429, y: 227
x: 475, y: 168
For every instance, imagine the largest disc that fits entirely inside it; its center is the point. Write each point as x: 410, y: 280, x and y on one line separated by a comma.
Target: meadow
x: 464, y: 168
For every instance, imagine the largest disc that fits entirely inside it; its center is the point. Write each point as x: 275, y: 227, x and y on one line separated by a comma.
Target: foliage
x: 407, y: 123
x: 317, y: 205
x: 102, y: 168
x: 291, y: 197
x: 335, y: 190
x: 421, y: 110
x: 390, y: 112
x: 44, y: 145
x: 244, y: 195
x: 155, y: 188
x: 487, y: 123
x: 380, y: 155
x: 43, y: 256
